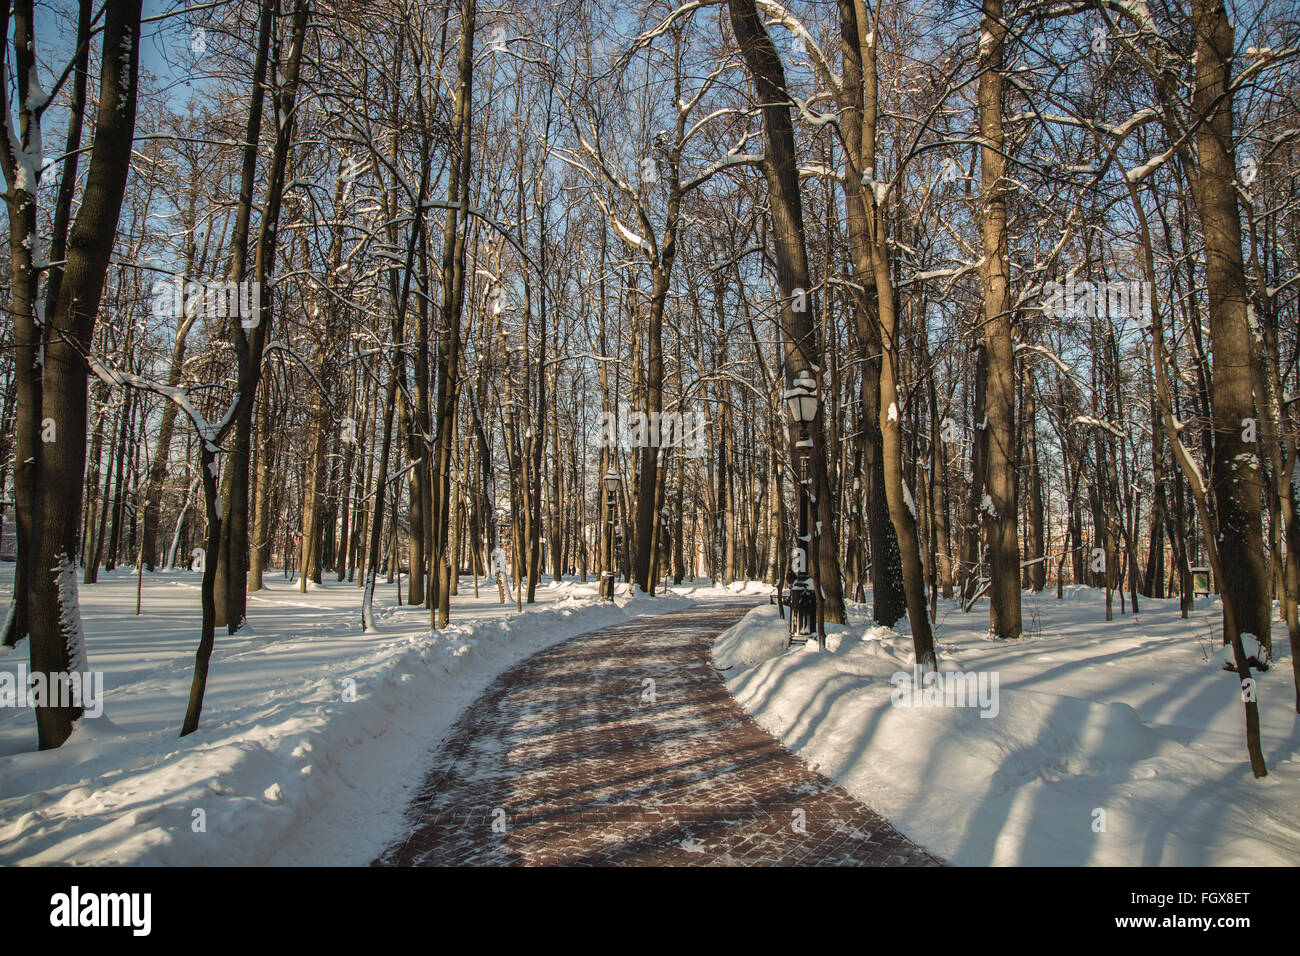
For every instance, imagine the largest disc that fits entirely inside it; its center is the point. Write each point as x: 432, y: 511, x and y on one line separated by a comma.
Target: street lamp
x: 612, y: 480
x: 801, y: 401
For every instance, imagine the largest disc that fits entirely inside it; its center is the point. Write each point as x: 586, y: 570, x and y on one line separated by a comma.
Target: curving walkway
x: 622, y: 746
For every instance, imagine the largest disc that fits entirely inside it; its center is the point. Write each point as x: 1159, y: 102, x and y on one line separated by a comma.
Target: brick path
x: 622, y: 746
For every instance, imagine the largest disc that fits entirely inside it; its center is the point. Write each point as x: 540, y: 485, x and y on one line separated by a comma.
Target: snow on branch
x: 624, y: 233
x: 779, y: 14
x: 820, y: 171
x: 287, y: 348
x: 1139, y: 173
x: 1097, y: 423
x: 728, y: 161
x: 606, y: 170
x: 649, y: 36
x: 210, y: 433
x: 1043, y: 350
x: 952, y: 274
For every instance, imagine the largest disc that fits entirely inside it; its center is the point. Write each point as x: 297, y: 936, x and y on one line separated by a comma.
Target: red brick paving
x: 622, y: 746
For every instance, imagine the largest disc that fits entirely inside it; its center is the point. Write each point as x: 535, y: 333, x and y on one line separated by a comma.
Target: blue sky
x: 164, y: 52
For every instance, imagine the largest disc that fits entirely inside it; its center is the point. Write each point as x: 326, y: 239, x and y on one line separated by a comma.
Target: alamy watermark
x: 627, y: 429
x: 219, y: 300
x: 84, y: 689
x: 1084, y: 299
x: 74, y: 909
x: 946, y: 689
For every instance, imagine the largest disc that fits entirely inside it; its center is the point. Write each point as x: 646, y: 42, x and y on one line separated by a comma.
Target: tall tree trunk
x: 1000, y: 397
x: 1201, y: 495
x: 259, y: 551
x: 454, y: 238
x: 247, y: 345
x: 972, y: 555
x: 902, y: 504
x: 57, y: 643
x: 1236, y: 467
x: 859, y: 126
x: 20, y: 173
x: 1037, y: 572
x: 780, y: 170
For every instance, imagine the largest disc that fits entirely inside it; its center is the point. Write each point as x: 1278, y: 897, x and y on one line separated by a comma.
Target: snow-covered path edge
x: 433, y: 685
x: 1113, y: 743
x: 310, y: 748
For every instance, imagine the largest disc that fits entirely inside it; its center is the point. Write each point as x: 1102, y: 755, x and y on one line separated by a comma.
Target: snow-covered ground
x: 313, y: 737
x: 1130, y: 725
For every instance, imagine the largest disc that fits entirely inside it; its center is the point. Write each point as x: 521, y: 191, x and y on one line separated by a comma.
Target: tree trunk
x: 798, y: 306
x: 1000, y: 474
x: 1236, y: 467
x: 57, y: 643
x: 233, y: 557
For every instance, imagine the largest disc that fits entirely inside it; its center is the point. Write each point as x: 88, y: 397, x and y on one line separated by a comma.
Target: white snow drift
x: 1117, y: 743
x: 313, y: 738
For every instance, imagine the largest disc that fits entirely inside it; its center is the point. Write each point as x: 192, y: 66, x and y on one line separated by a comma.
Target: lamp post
x: 801, y: 401
x: 608, y: 574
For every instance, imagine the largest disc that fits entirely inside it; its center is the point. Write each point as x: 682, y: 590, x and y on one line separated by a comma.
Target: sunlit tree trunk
x: 1000, y: 396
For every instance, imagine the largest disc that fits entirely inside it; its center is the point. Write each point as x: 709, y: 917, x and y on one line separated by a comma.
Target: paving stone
x: 623, y: 747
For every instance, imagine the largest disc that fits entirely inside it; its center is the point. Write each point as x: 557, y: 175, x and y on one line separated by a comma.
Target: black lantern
x: 801, y: 403
x: 612, y: 481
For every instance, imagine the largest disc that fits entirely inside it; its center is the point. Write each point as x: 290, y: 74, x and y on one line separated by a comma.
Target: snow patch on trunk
x: 74, y: 636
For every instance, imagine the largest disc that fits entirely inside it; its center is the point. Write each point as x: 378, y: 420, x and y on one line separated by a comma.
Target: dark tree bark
x: 454, y: 237
x: 859, y: 131
x: 1236, y: 472
x: 780, y: 169
x: 232, y: 557
x: 57, y: 645
x: 20, y: 200
x: 1000, y: 397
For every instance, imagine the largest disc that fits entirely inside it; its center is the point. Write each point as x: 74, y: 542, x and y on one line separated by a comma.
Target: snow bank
x: 759, y: 635
x: 1117, y: 743
x: 313, y: 737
